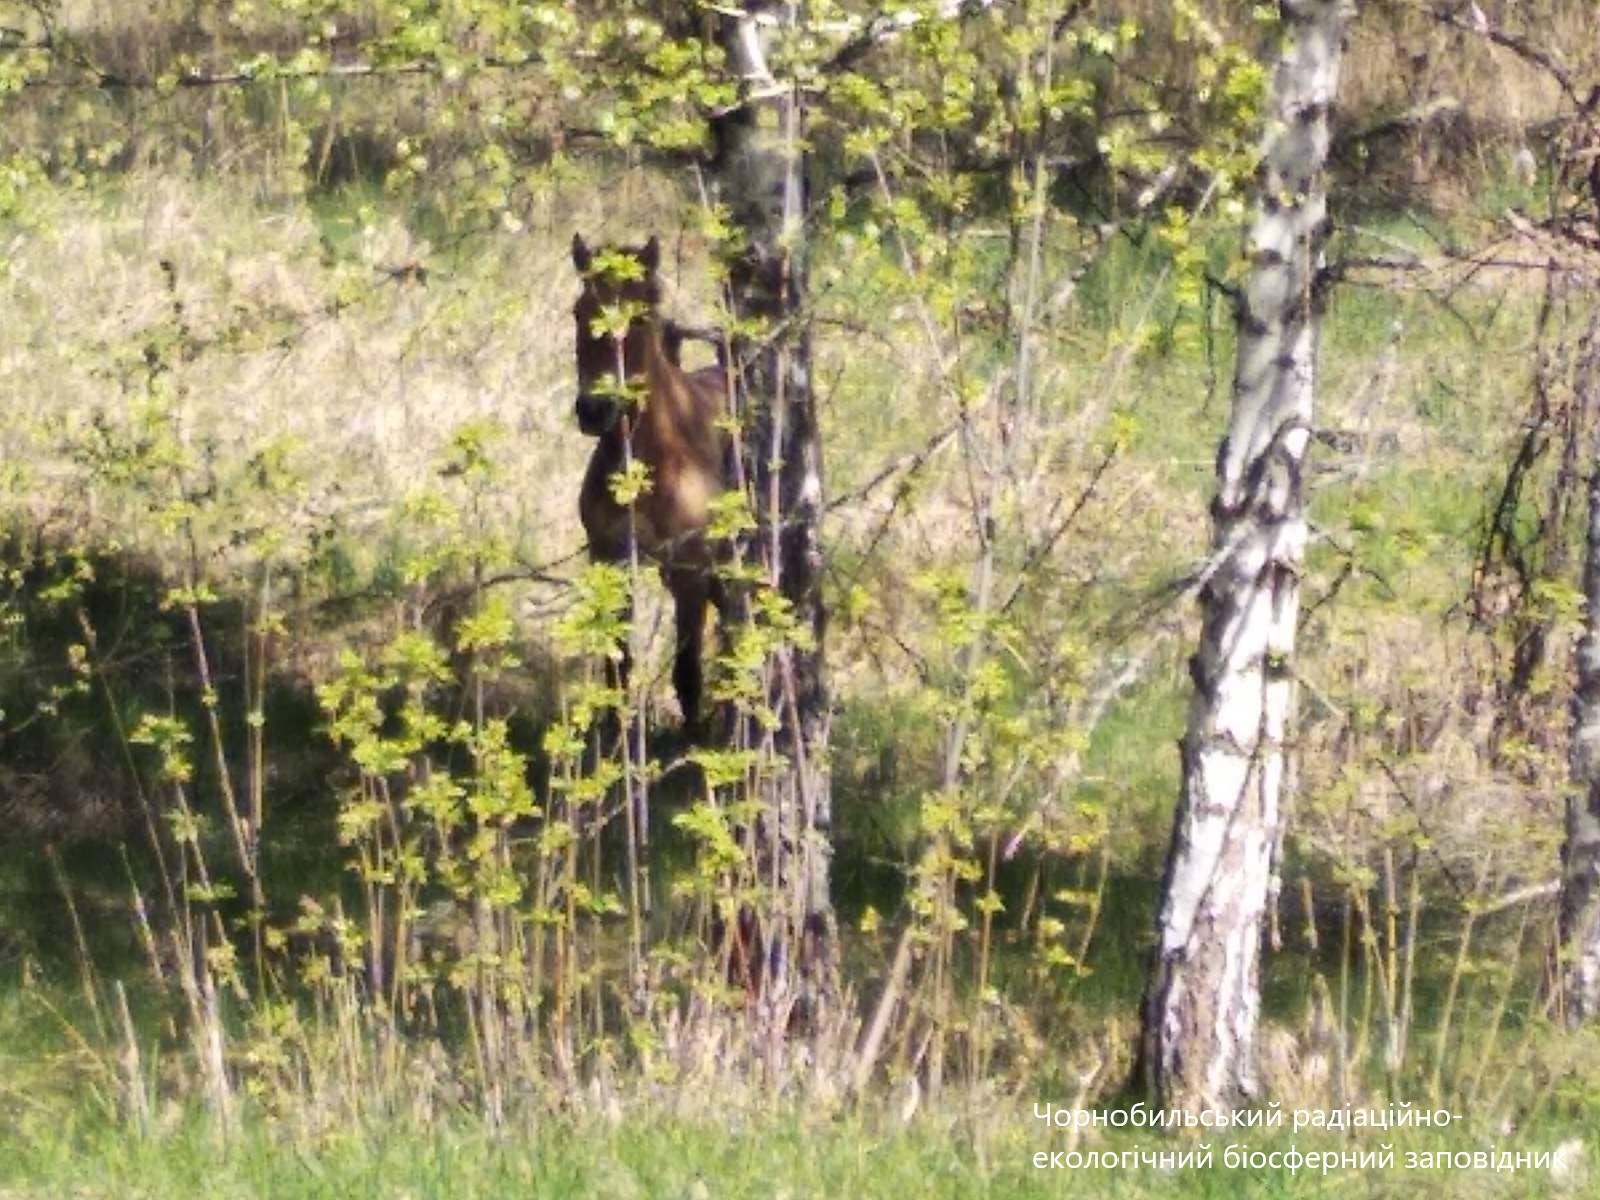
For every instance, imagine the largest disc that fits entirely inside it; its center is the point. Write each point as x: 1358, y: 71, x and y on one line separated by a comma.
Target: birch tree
x: 1580, y: 883
x: 761, y: 178
x: 1203, y: 1000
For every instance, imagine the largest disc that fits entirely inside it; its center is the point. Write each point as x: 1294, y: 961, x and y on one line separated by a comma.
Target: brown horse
x: 643, y: 406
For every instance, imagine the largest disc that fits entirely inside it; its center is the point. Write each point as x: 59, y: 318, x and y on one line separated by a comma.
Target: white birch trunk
x: 1203, y: 1003
x: 761, y: 176
x: 1580, y: 856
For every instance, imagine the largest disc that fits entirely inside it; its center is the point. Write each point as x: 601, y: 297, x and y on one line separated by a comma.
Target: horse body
x: 686, y: 467
x: 640, y: 404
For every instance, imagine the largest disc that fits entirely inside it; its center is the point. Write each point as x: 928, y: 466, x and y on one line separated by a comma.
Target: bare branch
x: 1451, y: 15
x: 911, y: 462
x: 1521, y: 895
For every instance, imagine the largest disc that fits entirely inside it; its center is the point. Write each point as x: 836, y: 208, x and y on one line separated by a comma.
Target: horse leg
x: 690, y: 591
x: 619, y: 664
x: 723, y: 598
x: 609, y: 734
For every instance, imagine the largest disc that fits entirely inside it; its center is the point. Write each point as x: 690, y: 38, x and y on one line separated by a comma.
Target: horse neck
x: 667, y: 408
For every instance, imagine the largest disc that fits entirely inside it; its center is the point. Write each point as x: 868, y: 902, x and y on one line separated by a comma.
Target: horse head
x: 620, y: 298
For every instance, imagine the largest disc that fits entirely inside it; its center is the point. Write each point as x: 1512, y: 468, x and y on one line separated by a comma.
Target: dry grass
x: 280, y: 332
x: 366, y: 373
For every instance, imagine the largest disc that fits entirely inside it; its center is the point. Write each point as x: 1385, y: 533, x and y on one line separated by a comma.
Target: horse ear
x: 650, y: 256
x: 581, y: 258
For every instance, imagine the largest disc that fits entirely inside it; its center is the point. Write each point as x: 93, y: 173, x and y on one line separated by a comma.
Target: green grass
x: 642, y: 1156
x: 980, y: 1150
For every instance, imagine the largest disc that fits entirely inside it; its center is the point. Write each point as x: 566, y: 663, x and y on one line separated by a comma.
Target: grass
x: 670, y: 1160
x: 983, y: 1150
x: 635, y: 1157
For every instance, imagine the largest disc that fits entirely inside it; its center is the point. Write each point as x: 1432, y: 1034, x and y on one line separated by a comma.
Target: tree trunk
x: 1203, y: 1002
x: 761, y: 177
x: 1580, y: 856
